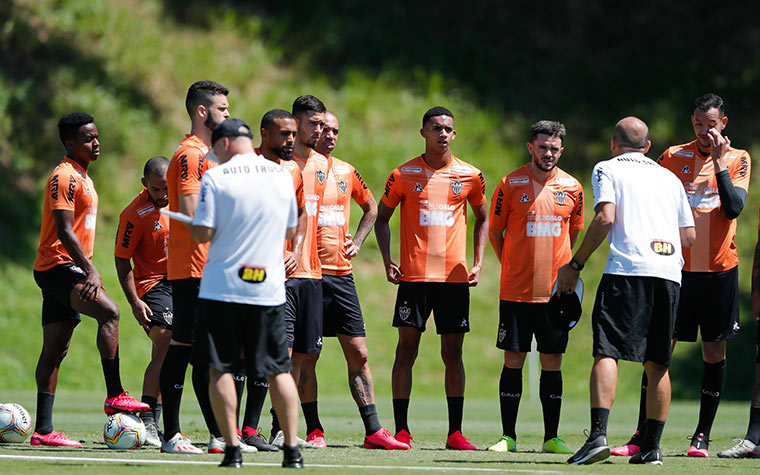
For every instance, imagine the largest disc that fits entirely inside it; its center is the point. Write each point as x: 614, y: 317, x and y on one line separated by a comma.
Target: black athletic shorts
x: 259, y: 330
x: 449, y: 302
x: 159, y: 300
x: 710, y: 301
x: 757, y: 344
x: 342, y: 312
x: 56, y: 285
x: 633, y: 318
x: 303, y: 315
x: 519, y: 321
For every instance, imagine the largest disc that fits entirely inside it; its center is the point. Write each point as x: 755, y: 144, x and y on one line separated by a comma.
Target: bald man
x: 644, y: 209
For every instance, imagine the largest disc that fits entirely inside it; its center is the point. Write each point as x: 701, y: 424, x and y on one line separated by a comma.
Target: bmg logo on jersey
x: 663, y: 248
x: 252, y: 274
x: 543, y: 226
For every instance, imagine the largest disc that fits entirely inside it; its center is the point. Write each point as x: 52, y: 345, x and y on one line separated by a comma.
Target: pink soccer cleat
x: 404, y: 437
x: 698, y: 447
x: 124, y: 403
x: 53, y: 439
x: 456, y: 441
x: 317, y: 437
x: 383, y: 439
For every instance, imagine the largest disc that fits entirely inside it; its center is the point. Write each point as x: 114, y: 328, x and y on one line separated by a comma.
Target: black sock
x: 113, y: 378
x: 456, y: 407
x: 172, y: 382
x: 642, y: 423
x: 400, y: 411
x: 275, y: 422
x: 753, y: 431
x: 149, y: 415
x: 652, y: 434
x: 254, y: 401
x: 200, y: 385
x: 239, y: 378
x: 44, y: 423
x: 311, y: 414
x: 157, y: 412
x: 713, y: 378
x: 369, y: 417
x: 599, y: 417
x: 510, y: 392
x: 550, y: 391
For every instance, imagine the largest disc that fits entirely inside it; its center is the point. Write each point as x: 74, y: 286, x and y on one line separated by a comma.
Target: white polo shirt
x: 250, y: 202
x: 650, y: 207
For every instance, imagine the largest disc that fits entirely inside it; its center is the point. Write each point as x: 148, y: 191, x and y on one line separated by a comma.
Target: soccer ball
x: 124, y: 432
x: 15, y: 423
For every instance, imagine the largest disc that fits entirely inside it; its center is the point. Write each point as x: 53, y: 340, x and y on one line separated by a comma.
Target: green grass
x: 79, y: 415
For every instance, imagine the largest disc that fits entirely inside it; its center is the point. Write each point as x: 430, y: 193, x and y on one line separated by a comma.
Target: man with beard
x: 536, y: 214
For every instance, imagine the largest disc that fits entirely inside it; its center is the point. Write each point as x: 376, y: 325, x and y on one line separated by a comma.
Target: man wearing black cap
x: 246, y: 209
x: 536, y: 214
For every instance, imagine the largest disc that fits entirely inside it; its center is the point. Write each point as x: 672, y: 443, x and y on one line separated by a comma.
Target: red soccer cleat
x: 629, y: 448
x: 698, y: 447
x: 383, y: 439
x: 456, y: 441
x: 54, y: 439
x: 123, y: 403
x: 317, y: 437
x: 404, y: 437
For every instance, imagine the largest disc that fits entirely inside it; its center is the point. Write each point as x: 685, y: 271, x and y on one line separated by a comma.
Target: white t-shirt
x: 250, y: 202
x: 650, y: 207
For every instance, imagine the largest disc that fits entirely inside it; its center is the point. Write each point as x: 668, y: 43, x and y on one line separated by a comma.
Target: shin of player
x: 536, y: 214
x: 433, y: 191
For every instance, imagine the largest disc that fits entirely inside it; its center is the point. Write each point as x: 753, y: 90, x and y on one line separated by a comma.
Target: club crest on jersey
x: 404, y: 312
x: 663, y: 248
x: 343, y: 186
x: 157, y: 226
x: 560, y: 196
x: 252, y: 275
x: 525, y: 198
x: 320, y: 176
x: 686, y: 169
x: 417, y: 187
x: 456, y: 186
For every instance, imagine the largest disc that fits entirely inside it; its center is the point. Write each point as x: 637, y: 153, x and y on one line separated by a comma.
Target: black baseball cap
x: 565, y: 310
x: 231, y: 128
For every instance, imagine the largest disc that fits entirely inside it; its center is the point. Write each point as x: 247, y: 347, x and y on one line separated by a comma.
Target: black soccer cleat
x: 232, y: 457
x: 652, y: 457
x: 594, y: 450
x: 258, y: 441
x: 291, y: 457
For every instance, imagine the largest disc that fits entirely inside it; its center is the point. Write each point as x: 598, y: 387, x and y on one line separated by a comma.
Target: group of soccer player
x: 536, y: 214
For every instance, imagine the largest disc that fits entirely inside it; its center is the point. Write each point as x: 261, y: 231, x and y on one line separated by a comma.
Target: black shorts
x: 449, y: 302
x: 710, y: 301
x: 185, y: 303
x: 159, y: 300
x: 341, y: 309
x: 519, y: 321
x: 259, y: 330
x: 757, y: 344
x: 303, y: 315
x: 633, y: 318
x: 56, y: 285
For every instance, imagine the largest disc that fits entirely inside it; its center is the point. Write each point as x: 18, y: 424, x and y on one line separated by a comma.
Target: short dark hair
x: 69, y: 125
x: 435, y: 112
x: 548, y: 127
x: 707, y: 101
x: 307, y: 103
x: 202, y: 93
x: 155, y: 166
x: 274, y: 114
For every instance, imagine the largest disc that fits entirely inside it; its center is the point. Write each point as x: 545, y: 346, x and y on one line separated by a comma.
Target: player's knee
x: 358, y: 356
x: 451, y: 354
x: 551, y: 362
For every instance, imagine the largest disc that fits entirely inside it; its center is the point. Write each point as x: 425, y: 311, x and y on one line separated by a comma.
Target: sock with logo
x: 713, y: 378
x: 149, y: 415
x: 653, y: 432
x: 239, y: 378
x: 172, y: 382
x: 44, y: 423
x: 201, y: 380
x: 456, y: 407
x: 369, y: 418
x: 753, y: 431
x: 550, y: 391
x: 599, y: 418
x: 311, y: 415
x: 113, y: 378
x: 510, y: 392
x: 254, y: 401
x: 400, y: 411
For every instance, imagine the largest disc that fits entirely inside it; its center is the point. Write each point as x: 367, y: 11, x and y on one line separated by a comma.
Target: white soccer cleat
x: 179, y: 445
x: 216, y: 445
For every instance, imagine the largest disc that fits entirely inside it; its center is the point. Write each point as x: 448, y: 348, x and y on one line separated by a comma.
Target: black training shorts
x: 710, y: 302
x: 519, y: 321
x: 633, y: 318
x: 303, y: 315
x: 159, y: 300
x: 449, y: 302
x: 341, y: 308
x: 56, y: 285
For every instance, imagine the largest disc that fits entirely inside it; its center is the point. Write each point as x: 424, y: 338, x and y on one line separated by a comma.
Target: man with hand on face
x: 142, y: 237
x: 536, y: 214
x: 433, y: 191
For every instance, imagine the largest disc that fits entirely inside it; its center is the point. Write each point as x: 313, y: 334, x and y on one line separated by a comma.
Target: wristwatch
x: 576, y: 265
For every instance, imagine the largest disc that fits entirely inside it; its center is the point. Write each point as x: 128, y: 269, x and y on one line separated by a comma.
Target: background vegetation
x: 378, y: 66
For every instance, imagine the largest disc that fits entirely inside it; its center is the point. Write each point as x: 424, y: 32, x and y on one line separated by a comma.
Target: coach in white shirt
x: 247, y: 208
x: 644, y: 209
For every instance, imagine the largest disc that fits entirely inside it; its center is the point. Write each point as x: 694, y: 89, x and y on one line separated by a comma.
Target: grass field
x: 79, y: 415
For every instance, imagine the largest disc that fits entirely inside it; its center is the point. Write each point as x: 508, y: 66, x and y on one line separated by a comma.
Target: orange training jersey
x: 143, y: 236
x: 343, y: 184
x: 68, y: 188
x: 537, y: 217
x: 714, y: 249
x: 314, y: 171
x: 434, y: 217
x: 186, y: 256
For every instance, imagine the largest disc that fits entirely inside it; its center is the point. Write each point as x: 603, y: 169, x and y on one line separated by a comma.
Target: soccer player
x: 645, y: 211
x: 247, y: 208
x: 69, y: 281
x: 142, y: 237
x: 536, y: 214
x: 716, y: 179
x: 342, y: 311
x: 433, y: 190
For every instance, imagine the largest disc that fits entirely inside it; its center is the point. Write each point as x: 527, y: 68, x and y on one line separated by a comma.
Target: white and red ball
x: 124, y: 432
x: 15, y: 423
